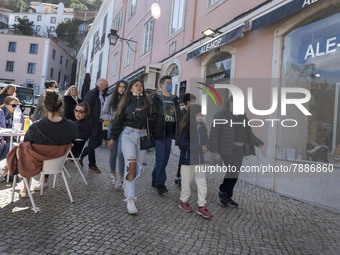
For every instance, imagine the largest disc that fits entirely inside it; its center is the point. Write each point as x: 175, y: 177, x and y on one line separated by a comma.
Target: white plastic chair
x: 76, y: 160
x: 52, y: 166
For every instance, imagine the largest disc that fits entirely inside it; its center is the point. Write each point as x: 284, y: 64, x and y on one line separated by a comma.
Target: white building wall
x: 88, y: 62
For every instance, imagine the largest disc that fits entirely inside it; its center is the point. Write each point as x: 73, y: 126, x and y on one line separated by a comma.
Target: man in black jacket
x: 232, y: 142
x: 95, y: 99
x: 168, y: 118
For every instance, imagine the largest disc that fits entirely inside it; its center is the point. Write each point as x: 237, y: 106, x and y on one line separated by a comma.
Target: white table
x: 11, y: 133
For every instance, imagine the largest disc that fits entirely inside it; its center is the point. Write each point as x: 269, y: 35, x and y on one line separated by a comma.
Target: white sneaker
x: 23, y: 194
x: 118, y: 183
x: 38, y: 187
x: 113, y: 180
x: 131, y: 207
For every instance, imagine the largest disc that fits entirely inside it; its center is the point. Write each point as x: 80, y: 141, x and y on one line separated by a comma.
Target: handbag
x: 147, y: 142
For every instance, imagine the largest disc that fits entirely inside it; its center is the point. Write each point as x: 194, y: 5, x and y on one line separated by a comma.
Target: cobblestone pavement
x: 97, y: 221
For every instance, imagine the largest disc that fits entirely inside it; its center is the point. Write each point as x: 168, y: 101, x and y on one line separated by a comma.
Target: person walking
x: 188, y: 99
x: 134, y: 115
x: 95, y: 98
x: 168, y: 118
x: 70, y: 100
x: 193, y: 143
x: 232, y: 142
x: 108, y: 114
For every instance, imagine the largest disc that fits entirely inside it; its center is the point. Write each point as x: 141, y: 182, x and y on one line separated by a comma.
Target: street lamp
x: 210, y: 32
x: 113, y: 38
x: 155, y: 10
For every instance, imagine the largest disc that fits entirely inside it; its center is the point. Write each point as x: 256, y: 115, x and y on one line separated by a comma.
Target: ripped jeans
x: 132, y: 153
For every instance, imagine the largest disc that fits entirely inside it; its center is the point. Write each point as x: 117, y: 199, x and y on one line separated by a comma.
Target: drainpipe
x: 194, y: 21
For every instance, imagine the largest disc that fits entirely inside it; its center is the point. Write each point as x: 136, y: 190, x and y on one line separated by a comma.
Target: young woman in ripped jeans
x: 134, y: 110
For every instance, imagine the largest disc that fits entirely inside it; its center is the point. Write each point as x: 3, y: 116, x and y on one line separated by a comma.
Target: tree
x: 14, y: 5
x: 24, y: 26
x: 68, y: 31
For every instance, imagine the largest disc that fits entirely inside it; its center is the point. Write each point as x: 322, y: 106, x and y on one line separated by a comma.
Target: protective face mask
x: 168, y: 87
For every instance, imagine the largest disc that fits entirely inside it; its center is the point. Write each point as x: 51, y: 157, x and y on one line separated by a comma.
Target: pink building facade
x: 30, y: 61
x: 267, y: 49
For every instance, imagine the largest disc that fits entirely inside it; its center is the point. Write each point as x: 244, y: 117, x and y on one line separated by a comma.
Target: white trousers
x: 188, y: 174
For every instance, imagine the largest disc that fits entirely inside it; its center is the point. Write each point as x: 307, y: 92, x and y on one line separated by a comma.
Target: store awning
x: 273, y: 14
x: 281, y: 12
x: 216, y: 42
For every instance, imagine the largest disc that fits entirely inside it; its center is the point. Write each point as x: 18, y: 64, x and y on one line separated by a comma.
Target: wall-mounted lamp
x: 155, y: 10
x: 210, y: 32
x: 113, y: 38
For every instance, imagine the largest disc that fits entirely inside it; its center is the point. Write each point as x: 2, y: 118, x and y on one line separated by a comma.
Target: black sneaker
x: 232, y: 203
x: 178, y: 181
x: 161, y: 189
x: 222, y: 198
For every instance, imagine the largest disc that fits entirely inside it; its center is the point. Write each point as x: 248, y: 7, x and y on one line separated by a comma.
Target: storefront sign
x: 327, y: 46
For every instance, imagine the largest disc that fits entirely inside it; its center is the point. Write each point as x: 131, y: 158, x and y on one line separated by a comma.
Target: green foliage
x: 14, y: 5
x: 24, y: 26
x: 68, y: 31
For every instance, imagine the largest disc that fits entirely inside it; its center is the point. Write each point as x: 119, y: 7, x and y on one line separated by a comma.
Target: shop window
x: 311, y: 60
x: 218, y: 70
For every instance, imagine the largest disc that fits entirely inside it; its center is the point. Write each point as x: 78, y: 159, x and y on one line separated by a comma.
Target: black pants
x: 233, y: 162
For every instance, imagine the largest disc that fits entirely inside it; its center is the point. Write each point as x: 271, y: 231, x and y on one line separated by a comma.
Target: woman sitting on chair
x: 51, y: 130
x: 81, y: 112
x: 6, y: 121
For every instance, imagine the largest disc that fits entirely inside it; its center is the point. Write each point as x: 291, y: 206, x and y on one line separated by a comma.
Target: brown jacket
x: 31, y: 157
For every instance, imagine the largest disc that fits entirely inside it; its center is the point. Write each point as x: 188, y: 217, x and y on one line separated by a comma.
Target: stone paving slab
x: 97, y: 222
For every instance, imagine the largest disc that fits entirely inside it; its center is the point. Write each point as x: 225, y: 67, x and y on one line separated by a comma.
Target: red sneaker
x: 185, y: 207
x: 203, y: 211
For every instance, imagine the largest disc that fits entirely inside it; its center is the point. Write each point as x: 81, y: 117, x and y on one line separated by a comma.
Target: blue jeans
x: 3, y: 153
x: 116, y: 153
x: 163, y: 149
x: 131, y: 151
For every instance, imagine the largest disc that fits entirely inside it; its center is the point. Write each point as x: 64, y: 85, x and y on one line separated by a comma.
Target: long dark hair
x: 188, y: 120
x: 127, y: 96
x: 116, y: 97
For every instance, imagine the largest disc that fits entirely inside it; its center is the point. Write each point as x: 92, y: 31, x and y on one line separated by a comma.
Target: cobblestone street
x: 97, y: 221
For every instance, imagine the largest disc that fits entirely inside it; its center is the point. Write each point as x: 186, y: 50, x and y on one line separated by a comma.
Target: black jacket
x: 221, y: 136
x: 157, y: 101
x: 84, y: 127
x: 135, y: 116
x: 190, y: 144
x: 92, y: 98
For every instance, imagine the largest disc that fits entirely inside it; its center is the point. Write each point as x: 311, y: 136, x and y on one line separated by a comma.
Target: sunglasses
x: 80, y: 111
x: 13, y: 105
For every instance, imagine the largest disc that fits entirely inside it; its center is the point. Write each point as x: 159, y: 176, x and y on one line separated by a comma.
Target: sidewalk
x: 97, y: 221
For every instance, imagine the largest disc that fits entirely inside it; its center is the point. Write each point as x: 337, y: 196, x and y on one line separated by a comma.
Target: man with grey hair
x: 95, y: 98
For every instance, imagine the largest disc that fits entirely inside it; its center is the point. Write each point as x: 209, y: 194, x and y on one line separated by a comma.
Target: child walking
x: 193, y: 141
